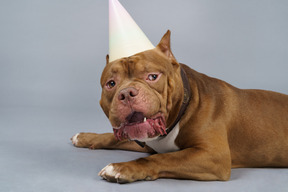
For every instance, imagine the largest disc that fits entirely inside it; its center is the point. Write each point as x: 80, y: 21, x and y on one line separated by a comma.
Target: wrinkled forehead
x: 134, y: 66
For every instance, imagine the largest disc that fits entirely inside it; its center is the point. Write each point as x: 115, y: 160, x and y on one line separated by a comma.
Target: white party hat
x: 125, y: 36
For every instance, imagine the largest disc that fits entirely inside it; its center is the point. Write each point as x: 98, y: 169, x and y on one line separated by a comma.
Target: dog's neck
x: 185, y: 103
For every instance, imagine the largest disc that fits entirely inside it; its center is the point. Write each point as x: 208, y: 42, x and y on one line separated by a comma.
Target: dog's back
x: 256, y: 121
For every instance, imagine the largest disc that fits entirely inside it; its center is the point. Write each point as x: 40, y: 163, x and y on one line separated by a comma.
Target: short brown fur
x: 224, y: 127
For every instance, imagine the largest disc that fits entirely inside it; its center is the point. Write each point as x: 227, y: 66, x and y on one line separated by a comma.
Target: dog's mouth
x: 139, y: 127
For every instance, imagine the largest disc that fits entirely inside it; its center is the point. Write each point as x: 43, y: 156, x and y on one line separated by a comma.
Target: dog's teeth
x: 144, y: 119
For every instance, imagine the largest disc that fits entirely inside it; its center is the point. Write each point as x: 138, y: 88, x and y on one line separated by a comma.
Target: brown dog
x: 200, y: 126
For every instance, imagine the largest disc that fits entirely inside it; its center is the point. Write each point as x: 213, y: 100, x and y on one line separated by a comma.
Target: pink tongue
x: 138, y: 131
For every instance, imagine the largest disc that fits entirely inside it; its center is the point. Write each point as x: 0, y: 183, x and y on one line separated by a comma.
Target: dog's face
x: 138, y: 92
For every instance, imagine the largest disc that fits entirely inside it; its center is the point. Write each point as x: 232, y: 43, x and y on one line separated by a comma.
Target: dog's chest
x: 166, y: 144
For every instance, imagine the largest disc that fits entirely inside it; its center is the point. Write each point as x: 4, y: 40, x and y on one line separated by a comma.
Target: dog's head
x: 141, y: 93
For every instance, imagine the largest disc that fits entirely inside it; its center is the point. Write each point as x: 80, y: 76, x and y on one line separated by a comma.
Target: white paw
x: 108, y: 172
x: 75, y: 139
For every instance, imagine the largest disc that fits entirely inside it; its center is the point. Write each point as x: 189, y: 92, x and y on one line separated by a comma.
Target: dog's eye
x: 111, y: 84
x: 152, y: 77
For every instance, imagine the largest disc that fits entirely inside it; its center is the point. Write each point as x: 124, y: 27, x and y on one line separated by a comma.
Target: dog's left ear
x: 107, y: 59
x: 164, y: 46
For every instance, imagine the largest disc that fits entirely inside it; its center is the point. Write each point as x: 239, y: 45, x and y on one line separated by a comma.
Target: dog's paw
x: 92, y: 140
x: 74, y: 139
x: 82, y: 140
x: 124, y: 173
x: 109, y: 173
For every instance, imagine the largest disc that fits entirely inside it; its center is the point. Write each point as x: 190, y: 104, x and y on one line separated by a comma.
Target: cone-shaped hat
x: 125, y: 36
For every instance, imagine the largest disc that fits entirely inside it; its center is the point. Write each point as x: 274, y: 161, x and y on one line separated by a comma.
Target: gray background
x: 52, y: 53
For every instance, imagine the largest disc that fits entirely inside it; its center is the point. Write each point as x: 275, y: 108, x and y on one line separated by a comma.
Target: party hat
x: 125, y: 36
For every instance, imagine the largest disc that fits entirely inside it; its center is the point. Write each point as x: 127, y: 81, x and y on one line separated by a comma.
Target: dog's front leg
x: 197, y: 164
x: 106, y: 141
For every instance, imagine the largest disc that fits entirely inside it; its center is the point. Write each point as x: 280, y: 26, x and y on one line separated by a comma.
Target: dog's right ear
x: 107, y: 59
x: 165, y: 46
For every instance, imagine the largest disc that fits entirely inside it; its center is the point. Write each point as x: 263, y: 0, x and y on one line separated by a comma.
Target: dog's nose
x: 127, y: 94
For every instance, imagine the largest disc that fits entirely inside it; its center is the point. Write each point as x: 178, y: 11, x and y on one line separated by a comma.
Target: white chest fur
x: 166, y: 144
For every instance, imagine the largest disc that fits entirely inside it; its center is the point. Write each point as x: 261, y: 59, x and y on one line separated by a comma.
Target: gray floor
x: 37, y: 155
